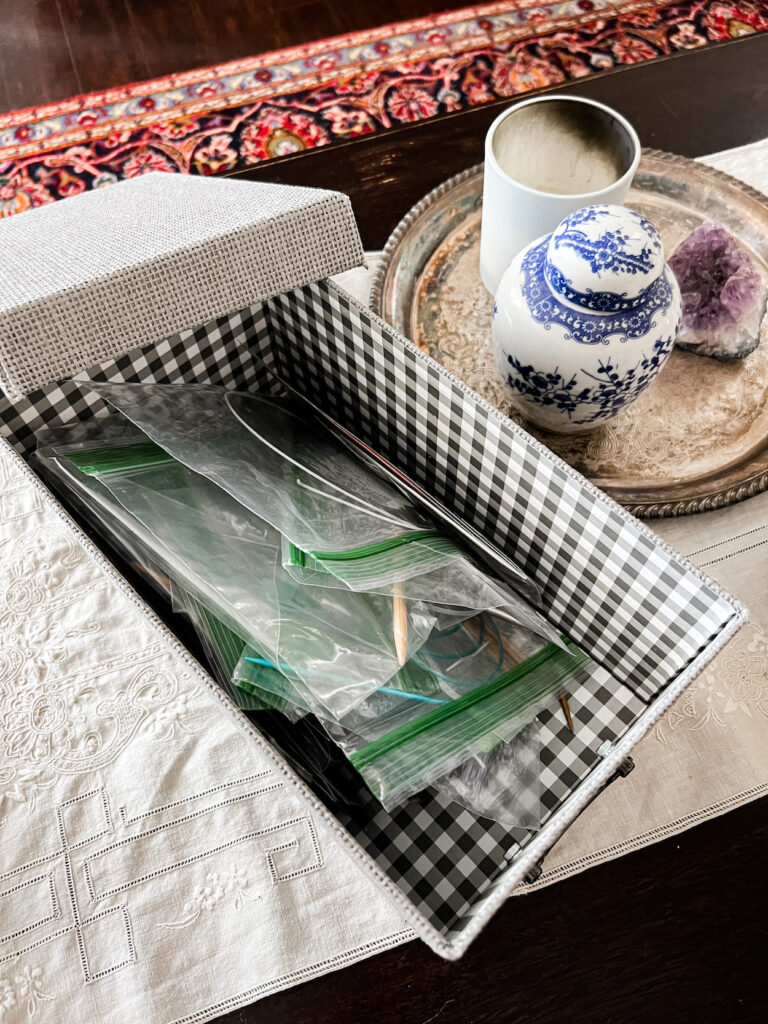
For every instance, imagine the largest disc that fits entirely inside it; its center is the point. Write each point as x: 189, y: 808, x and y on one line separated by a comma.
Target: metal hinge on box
x: 623, y: 770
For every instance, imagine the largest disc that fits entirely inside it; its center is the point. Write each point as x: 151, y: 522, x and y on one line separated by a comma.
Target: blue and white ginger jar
x: 585, y: 318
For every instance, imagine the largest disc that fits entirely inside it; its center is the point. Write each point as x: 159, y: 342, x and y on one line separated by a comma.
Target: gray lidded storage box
x: 168, y: 278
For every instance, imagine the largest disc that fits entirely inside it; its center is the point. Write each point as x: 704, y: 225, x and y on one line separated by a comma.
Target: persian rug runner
x: 219, y: 119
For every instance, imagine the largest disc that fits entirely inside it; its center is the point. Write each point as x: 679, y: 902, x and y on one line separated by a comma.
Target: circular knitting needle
x: 323, y: 470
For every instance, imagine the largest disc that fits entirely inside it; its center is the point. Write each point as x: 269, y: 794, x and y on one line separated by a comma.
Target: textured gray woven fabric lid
x: 91, y: 277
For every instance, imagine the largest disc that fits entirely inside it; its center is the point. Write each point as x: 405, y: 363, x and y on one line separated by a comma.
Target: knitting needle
x: 566, y: 711
x: 563, y: 698
x: 509, y: 646
x: 475, y: 627
x: 400, y: 623
x: 391, y: 690
x: 411, y: 696
x: 503, y: 615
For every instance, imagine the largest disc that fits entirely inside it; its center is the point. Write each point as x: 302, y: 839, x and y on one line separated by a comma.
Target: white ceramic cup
x: 545, y: 158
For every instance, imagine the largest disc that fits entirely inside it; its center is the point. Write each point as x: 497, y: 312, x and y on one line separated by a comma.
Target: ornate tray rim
x: 715, y: 499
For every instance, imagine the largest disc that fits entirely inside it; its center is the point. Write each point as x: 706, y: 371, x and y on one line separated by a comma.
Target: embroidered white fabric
x: 115, y: 758
x: 154, y: 859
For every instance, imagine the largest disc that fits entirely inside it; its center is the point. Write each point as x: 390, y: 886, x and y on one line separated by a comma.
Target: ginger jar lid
x: 604, y: 259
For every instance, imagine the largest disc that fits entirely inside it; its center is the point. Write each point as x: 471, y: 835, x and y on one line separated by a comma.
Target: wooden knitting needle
x: 563, y: 698
x: 506, y: 617
x: 400, y: 623
x: 567, y: 711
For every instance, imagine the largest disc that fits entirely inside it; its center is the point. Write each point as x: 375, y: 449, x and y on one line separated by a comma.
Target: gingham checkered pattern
x: 217, y: 353
x: 444, y: 857
x: 640, y: 612
x: 604, y: 580
x: 602, y: 709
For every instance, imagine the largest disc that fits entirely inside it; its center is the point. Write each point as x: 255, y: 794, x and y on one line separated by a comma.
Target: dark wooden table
x: 674, y: 932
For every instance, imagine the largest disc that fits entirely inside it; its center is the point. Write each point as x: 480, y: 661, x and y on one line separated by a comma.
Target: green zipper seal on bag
x: 370, y: 753
x: 271, y: 700
x: 377, y: 549
x: 298, y: 557
x: 118, y: 457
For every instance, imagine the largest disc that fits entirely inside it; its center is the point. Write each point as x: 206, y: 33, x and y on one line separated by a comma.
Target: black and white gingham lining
x: 220, y: 352
x: 641, y: 614
x: 604, y: 582
x: 585, y: 557
x: 445, y: 858
x: 442, y: 856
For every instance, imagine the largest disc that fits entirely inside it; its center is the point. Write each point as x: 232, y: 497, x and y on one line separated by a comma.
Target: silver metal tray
x: 697, y: 439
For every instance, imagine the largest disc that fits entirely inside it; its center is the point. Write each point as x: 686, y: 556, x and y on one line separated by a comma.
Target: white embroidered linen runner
x: 152, y: 858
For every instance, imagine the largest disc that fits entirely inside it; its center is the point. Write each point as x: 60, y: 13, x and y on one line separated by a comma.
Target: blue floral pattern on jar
x: 585, y: 318
x: 609, y: 251
x: 588, y: 328
x: 601, y: 395
x: 599, y: 302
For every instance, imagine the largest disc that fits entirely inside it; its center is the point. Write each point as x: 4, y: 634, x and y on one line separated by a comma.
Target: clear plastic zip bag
x: 439, y: 574
x: 502, y: 783
x: 340, y: 644
x: 485, y: 726
x: 351, y: 523
x: 231, y: 564
x: 481, y: 751
x: 203, y: 427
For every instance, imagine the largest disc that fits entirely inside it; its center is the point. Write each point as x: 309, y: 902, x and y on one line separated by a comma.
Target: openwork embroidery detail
x: 734, y: 685
x: 237, y: 884
x: 280, y: 850
x: 50, y: 911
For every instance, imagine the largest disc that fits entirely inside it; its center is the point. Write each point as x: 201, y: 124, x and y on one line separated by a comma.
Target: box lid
x: 93, y: 276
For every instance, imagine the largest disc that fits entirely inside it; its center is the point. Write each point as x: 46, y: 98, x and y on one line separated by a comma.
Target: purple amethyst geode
x: 723, y: 294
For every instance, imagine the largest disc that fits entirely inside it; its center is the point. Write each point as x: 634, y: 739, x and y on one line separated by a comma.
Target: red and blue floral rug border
x: 219, y: 119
